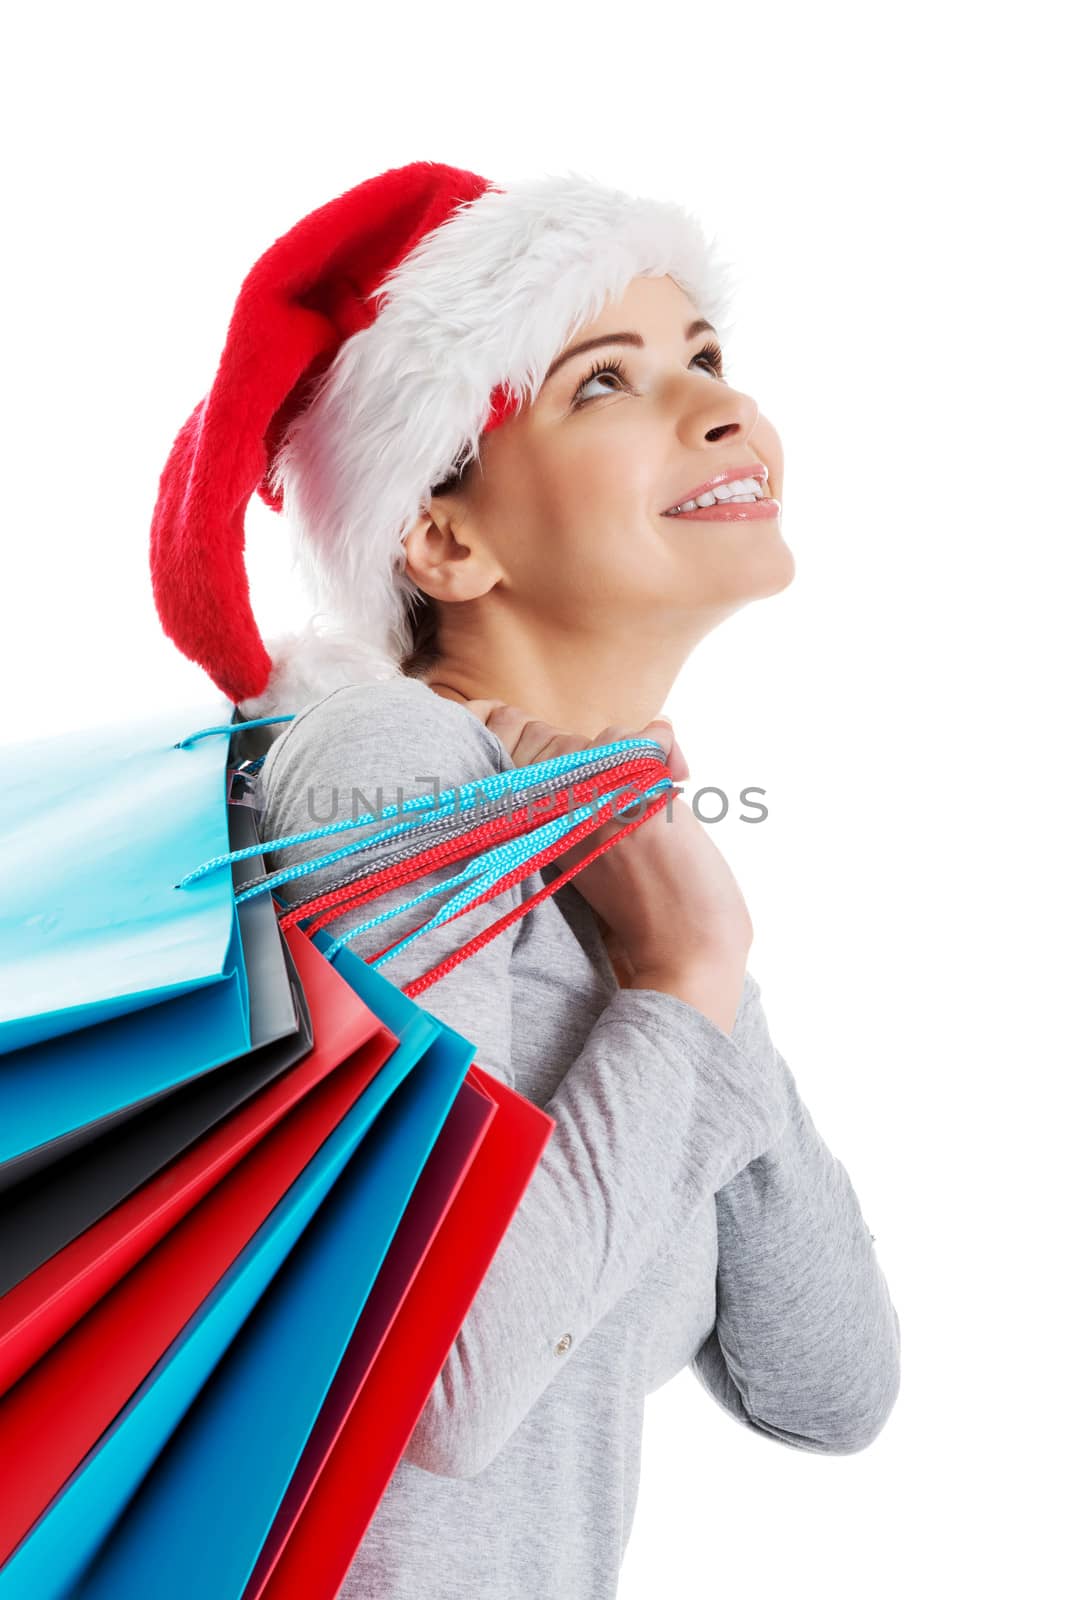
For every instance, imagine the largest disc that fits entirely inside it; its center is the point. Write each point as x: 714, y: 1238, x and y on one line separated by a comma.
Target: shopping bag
x: 437, y: 1191
x: 41, y: 1215
x: 63, y: 1403
x: 65, y: 1196
x: 63, y: 1093
x: 241, y: 1442
x: 98, y: 826
x: 165, y: 1327
x: 439, y: 1182
x: 393, y: 1362
x: 45, y: 1304
x: 74, y: 1524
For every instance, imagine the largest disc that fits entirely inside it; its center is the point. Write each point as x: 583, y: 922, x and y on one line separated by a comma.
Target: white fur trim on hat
x: 489, y: 297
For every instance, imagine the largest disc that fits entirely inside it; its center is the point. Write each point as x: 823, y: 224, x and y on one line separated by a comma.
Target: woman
x: 560, y: 579
x: 686, y: 1211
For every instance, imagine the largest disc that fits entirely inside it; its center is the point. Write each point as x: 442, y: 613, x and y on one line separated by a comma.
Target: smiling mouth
x: 759, y: 509
x: 739, y: 493
x: 738, y: 500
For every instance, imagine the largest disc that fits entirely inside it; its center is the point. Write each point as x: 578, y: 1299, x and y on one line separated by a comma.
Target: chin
x: 776, y: 570
x: 755, y: 574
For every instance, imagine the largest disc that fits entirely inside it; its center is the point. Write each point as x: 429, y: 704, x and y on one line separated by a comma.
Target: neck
x: 577, y: 683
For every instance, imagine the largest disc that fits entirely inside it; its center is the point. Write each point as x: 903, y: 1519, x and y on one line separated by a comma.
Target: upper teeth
x: 739, y: 489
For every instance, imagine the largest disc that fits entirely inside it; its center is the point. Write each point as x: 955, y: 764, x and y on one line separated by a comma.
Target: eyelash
x: 711, y: 351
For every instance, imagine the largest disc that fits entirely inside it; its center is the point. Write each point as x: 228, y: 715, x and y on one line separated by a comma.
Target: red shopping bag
x: 393, y: 1362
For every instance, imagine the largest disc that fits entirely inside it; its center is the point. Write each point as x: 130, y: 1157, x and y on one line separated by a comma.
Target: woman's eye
x: 612, y: 369
x: 710, y: 354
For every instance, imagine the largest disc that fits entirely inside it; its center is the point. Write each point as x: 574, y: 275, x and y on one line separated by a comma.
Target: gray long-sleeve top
x: 686, y: 1211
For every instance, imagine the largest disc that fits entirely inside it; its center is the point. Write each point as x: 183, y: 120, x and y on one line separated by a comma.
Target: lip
x: 747, y: 469
x: 761, y: 510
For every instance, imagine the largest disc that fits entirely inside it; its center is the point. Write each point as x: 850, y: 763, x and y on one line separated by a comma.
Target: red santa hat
x: 369, y: 350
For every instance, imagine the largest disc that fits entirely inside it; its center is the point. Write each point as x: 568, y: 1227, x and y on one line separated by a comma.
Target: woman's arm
x: 805, y: 1347
x: 646, y: 1130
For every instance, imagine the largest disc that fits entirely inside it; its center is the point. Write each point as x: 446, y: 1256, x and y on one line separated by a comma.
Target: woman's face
x: 567, y: 506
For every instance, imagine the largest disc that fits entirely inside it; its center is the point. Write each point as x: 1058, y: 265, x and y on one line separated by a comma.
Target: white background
x: 890, y: 185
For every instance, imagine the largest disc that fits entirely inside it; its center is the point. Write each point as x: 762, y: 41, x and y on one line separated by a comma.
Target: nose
x: 715, y: 411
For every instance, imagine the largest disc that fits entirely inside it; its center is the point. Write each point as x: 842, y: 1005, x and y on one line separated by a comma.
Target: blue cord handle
x: 231, y: 727
x: 481, y: 874
x: 514, y: 780
x: 486, y: 871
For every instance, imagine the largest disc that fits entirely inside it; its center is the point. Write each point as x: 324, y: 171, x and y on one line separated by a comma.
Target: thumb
x: 663, y: 732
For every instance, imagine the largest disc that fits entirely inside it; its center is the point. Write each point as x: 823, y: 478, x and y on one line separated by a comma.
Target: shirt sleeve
x: 659, y: 1109
x: 805, y: 1346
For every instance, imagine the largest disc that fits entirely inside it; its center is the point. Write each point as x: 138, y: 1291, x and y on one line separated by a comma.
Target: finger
x: 529, y: 739
x: 507, y: 722
x: 663, y: 732
x: 481, y: 708
x: 541, y: 741
x: 659, y: 729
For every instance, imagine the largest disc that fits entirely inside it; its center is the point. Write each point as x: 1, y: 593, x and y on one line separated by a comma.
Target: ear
x: 445, y: 556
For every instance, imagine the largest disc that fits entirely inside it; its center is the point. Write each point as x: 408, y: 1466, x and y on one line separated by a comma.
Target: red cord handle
x: 496, y: 830
x: 644, y: 770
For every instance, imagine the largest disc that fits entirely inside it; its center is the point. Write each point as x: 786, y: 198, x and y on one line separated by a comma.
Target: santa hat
x: 369, y: 349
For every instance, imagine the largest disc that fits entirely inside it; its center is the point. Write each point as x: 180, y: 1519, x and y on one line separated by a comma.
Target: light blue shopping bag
x: 120, y: 983
x: 97, y: 828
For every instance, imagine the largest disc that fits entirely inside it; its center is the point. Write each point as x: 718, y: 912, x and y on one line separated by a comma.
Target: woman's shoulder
x: 352, y: 754
x: 390, y: 731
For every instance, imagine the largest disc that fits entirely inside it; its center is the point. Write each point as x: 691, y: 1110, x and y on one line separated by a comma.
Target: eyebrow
x: 700, y: 326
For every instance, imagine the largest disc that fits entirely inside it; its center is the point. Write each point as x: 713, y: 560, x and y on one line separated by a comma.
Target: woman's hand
x: 665, y: 892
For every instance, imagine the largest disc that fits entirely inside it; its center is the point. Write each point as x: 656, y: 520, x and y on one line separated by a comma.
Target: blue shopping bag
x: 242, y: 1442
x: 98, y: 826
x: 65, y: 1089
x: 57, y: 1551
